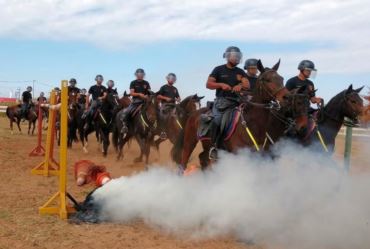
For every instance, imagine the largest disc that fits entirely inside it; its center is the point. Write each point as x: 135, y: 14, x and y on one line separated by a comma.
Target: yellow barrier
x: 57, y: 204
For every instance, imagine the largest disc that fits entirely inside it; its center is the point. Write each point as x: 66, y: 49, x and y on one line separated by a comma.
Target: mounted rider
x: 110, y: 89
x: 306, y: 70
x: 26, y: 102
x: 168, y: 95
x: 82, y: 98
x: 98, y: 93
x: 72, y: 89
x: 41, y: 99
x: 250, y: 67
x: 227, y: 80
x: 139, y: 90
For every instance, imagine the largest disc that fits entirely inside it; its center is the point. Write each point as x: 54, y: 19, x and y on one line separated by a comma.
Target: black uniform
x: 296, y: 82
x: 26, y: 97
x: 73, y: 89
x: 82, y: 99
x: 140, y: 86
x: 252, y: 81
x: 97, y: 91
x: 229, y: 76
x: 169, y: 91
x: 111, y: 91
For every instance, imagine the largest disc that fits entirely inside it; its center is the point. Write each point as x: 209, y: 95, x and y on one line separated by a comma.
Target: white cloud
x: 124, y: 24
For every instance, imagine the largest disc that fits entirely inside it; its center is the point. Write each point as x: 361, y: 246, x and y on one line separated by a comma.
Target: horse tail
x: 176, y: 151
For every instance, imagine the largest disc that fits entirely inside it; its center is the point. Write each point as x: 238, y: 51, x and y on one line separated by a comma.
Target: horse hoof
x: 85, y: 150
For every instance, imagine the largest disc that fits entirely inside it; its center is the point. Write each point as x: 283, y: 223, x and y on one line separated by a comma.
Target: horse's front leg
x: 141, y: 142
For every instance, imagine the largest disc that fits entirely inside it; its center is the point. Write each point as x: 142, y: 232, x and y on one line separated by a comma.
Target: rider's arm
x: 161, y: 97
x: 212, y: 84
x: 135, y: 94
x: 103, y: 97
x: 245, y: 83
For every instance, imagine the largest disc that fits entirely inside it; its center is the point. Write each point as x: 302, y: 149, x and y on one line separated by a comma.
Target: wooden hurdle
x: 49, y: 166
x: 57, y: 204
x: 39, y: 150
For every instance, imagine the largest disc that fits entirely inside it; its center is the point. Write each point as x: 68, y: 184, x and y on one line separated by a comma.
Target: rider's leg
x: 215, y: 131
x: 124, y: 117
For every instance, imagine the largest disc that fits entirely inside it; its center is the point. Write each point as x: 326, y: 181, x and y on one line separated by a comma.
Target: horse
x: 14, y: 115
x: 283, y: 121
x: 329, y: 119
x: 105, y: 116
x: 250, y: 129
x: 174, y: 117
x: 73, y: 112
x: 142, y: 126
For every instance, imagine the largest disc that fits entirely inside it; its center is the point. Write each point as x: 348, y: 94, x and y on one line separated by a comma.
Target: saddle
x: 229, y: 121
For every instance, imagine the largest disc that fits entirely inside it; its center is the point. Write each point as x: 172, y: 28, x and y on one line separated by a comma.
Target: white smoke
x: 299, y: 200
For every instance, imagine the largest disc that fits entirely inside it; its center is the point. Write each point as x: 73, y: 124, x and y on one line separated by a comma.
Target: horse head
x: 270, y: 84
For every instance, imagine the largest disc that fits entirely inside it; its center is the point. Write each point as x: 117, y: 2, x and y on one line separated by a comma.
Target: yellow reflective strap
x: 252, y: 138
x: 102, y: 117
x: 178, y: 123
x: 142, y: 120
x: 322, y: 140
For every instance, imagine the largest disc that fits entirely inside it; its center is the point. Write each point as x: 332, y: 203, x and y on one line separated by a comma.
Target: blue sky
x: 48, y: 41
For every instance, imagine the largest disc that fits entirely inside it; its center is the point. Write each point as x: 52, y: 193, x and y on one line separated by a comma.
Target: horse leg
x: 33, y: 127
x: 190, y: 143
x: 29, y: 127
x: 11, y: 126
x: 105, y: 137
x: 141, y: 143
x: 18, y: 124
x: 147, y: 150
x: 121, y: 142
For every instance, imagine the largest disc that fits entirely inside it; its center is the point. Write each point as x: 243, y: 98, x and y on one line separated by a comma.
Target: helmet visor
x: 234, y: 57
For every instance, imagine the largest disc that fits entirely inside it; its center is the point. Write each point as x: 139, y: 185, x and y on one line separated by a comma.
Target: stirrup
x: 213, y: 155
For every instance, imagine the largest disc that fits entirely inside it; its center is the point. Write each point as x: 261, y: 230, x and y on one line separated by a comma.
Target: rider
x: 98, y: 93
x: 82, y: 99
x: 306, y: 70
x: 110, y: 85
x: 250, y: 67
x: 227, y: 80
x: 26, y: 102
x: 168, y: 95
x: 139, y: 90
x: 72, y: 87
x: 41, y: 99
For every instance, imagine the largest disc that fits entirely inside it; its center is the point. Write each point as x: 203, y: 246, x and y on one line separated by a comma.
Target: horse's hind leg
x: 11, y: 126
x: 33, y: 127
x: 29, y: 127
x: 18, y: 124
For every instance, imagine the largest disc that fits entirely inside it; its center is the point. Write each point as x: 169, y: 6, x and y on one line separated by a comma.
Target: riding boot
x: 213, y: 155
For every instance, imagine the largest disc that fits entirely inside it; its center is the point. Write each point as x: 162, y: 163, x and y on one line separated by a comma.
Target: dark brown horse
x: 346, y: 104
x: 142, y: 126
x: 176, y: 116
x: 254, y: 116
x: 14, y: 115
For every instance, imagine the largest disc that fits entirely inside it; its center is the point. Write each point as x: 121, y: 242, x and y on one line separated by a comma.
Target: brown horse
x: 14, y: 115
x: 176, y: 116
x: 254, y: 116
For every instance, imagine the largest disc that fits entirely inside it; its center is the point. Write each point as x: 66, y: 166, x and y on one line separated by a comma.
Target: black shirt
x: 26, y: 97
x: 73, y: 89
x: 229, y: 76
x: 296, y: 82
x: 252, y: 82
x: 97, y: 91
x: 140, y: 86
x: 111, y: 90
x: 169, y: 91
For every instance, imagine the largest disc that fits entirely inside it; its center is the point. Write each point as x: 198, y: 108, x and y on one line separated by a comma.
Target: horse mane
x: 185, y: 101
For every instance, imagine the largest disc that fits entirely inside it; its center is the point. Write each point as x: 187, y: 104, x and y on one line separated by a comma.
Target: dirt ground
x: 22, y: 193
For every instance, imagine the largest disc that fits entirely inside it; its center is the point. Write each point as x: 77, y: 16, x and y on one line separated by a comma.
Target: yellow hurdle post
x: 61, y: 208
x: 49, y: 166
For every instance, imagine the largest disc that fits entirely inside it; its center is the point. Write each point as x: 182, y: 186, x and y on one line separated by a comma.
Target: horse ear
x: 201, y: 97
x: 276, y: 66
x: 302, y: 89
x: 349, y: 89
x: 260, y: 67
x: 358, y: 90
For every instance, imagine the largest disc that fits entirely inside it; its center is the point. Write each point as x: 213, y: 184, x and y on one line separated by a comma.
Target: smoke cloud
x: 298, y: 200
